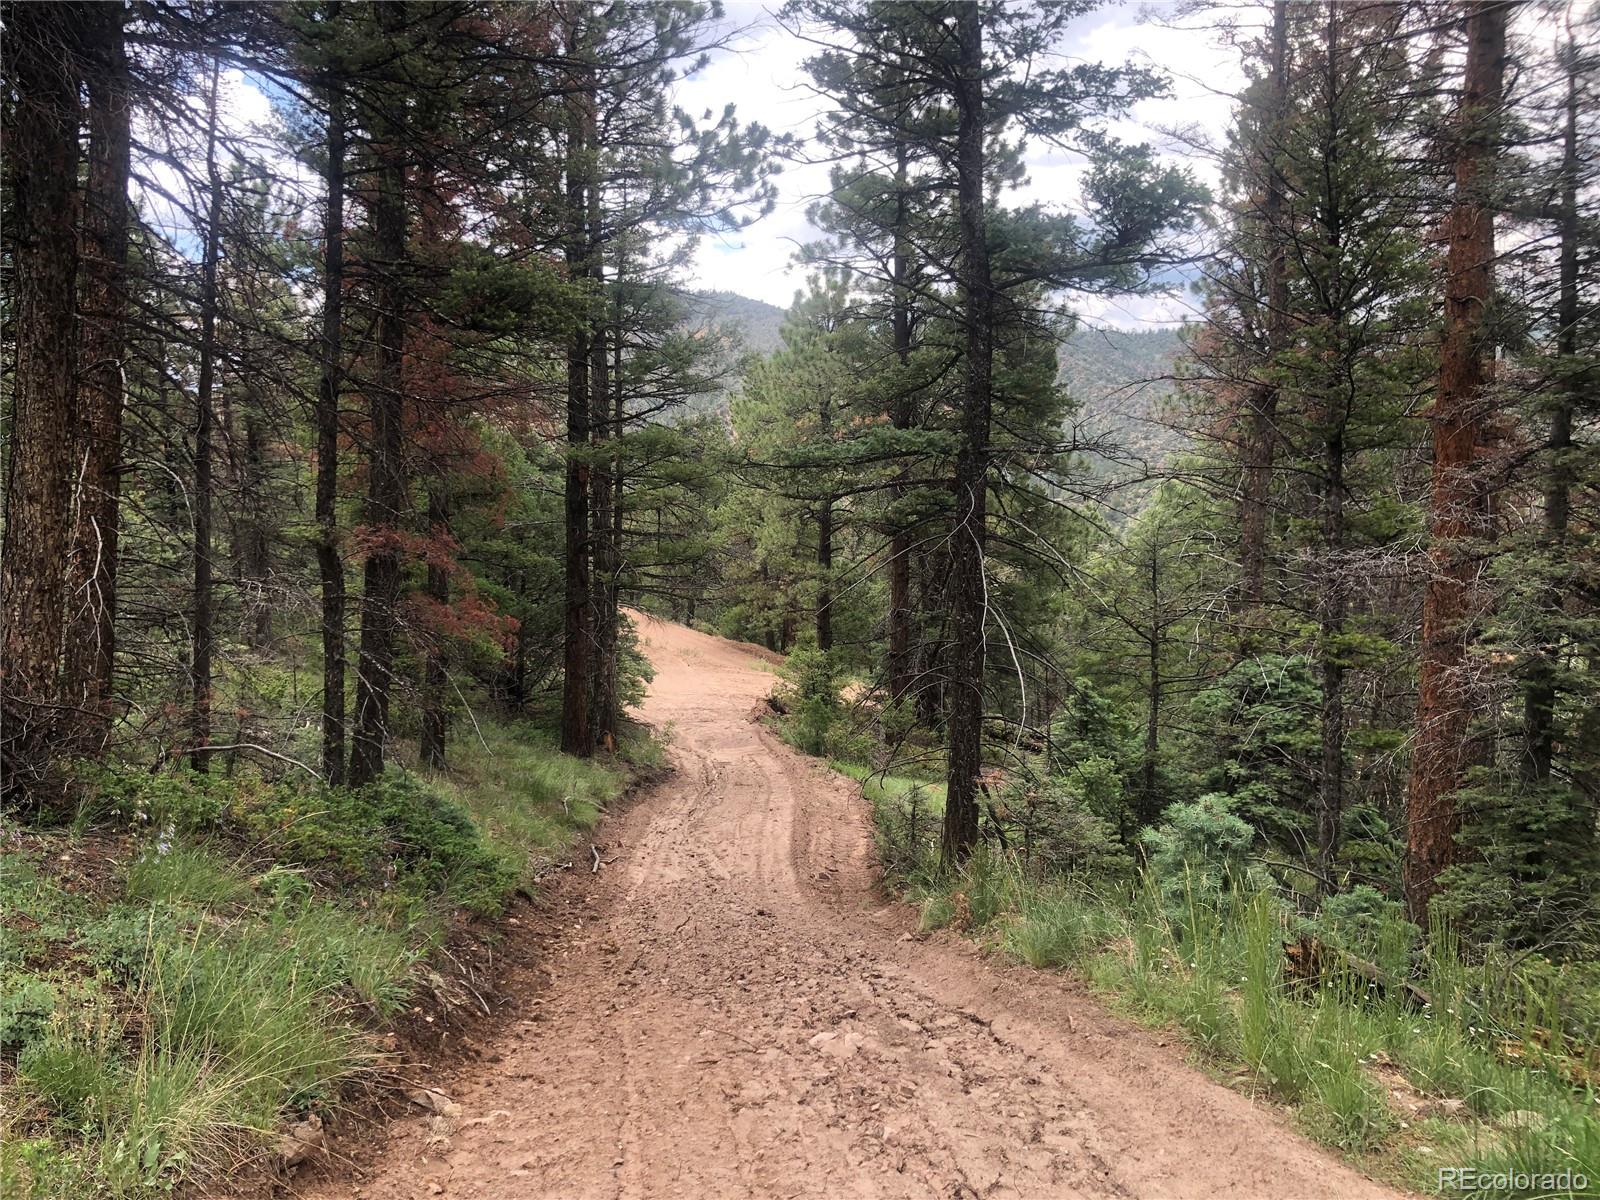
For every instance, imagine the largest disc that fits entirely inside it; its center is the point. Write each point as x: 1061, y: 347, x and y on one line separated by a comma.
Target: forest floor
x: 736, y: 1009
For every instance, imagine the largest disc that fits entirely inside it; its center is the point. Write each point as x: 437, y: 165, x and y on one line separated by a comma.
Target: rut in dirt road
x: 742, y: 1016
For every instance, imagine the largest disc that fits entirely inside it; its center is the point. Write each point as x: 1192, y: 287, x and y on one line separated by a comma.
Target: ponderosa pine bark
x: 1460, y: 507
x: 41, y: 63
x: 203, y: 634
x: 330, y: 564
x: 386, y: 487
x: 577, y: 730
x: 968, y: 532
x: 90, y: 645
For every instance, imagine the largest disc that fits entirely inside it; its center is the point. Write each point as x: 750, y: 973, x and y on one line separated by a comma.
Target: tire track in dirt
x: 741, y: 1015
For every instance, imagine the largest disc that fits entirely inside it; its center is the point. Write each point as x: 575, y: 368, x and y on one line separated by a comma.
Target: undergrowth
x: 162, y: 1017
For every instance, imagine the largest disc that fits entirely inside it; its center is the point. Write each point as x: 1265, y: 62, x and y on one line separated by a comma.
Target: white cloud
x: 762, y: 74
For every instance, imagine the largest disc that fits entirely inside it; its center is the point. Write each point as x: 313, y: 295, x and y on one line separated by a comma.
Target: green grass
x: 184, y: 874
x: 252, y: 953
x: 529, y: 801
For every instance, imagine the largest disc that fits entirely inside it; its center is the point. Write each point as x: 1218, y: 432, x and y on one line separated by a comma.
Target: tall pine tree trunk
x: 1149, y: 810
x: 1331, y: 608
x: 386, y: 488
x: 204, y: 630
x: 619, y: 413
x: 577, y: 730
x: 825, y: 574
x: 1539, y: 701
x: 1460, y: 509
x: 902, y: 670
x: 330, y: 564
x: 969, y: 529
x: 1332, y: 587
x: 825, y: 539
x: 931, y: 675
x: 1261, y: 438
x: 605, y: 547
x: 91, y: 630
x: 42, y: 149
x: 254, y: 536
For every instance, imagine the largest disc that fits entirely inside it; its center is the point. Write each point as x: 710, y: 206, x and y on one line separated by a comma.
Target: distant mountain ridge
x: 1121, y: 379
x: 761, y: 323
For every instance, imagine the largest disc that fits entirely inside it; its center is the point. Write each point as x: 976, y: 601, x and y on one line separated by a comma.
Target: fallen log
x: 1310, y: 960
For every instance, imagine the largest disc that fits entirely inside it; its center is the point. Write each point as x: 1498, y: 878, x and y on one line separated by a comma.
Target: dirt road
x: 742, y: 1016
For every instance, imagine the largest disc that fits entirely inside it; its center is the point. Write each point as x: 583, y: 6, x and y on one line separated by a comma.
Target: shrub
x: 397, y: 827
x: 1529, y: 882
x: 122, y: 939
x: 1368, y: 923
x: 1261, y: 735
x: 1063, y: 825
x: 811, y: 693
x: 71, y: 1078
x: 26, y: 1004
x: 50, y: 913
x: 1197, y: 854
x: 179, y: 800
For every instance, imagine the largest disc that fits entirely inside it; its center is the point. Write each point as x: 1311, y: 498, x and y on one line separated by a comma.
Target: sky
x: 762, y: 74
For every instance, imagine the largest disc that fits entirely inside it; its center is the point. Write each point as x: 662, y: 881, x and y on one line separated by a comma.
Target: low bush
x: 397, y: 831
x: 810, y: 694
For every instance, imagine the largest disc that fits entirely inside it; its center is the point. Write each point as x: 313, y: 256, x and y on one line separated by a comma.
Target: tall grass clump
x: 185, y: 874
x: 248, y: 1002
x: 1058, y: 927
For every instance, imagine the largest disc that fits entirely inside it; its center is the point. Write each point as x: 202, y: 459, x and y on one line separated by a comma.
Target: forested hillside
x: 757, y: 322
x: 1120, y: 381
x: 1252, y: 669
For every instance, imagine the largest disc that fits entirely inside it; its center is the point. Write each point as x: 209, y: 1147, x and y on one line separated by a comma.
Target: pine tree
x: 42, y: 61
x: 1461, y: 507
x: 92, y: 589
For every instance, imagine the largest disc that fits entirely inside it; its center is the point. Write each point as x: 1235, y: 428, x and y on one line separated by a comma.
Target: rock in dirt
x: 836, y: 1044
x: 434, y: 1101
x: 302, y: 1141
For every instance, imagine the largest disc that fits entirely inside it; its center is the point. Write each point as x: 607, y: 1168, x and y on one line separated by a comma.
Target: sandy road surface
x: 741, y: 1016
